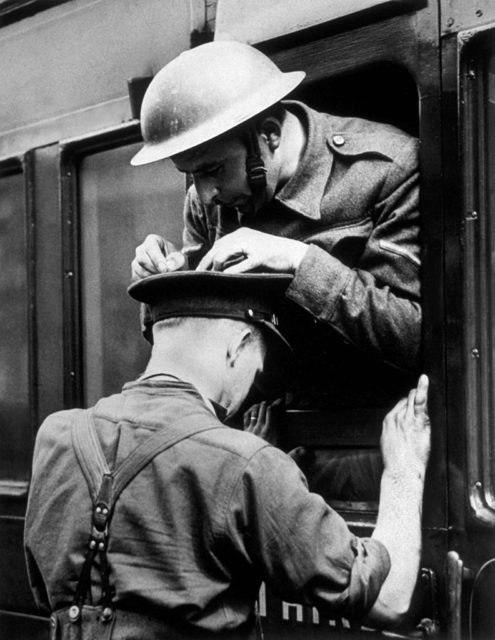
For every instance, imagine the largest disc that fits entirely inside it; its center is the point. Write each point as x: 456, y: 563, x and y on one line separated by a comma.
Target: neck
x: 187, y: 367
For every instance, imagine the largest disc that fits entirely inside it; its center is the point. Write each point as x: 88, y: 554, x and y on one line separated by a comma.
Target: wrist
x: 403, y: 484
x: 299, y: 251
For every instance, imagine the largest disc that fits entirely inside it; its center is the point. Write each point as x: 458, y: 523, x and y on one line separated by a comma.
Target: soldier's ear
x: 271, y: 132
x: 237, y: 344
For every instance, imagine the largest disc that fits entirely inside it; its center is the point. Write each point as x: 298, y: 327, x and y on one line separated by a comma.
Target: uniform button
x: 338, y: 141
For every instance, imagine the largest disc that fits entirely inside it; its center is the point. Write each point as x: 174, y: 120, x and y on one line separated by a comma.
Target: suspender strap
x: 105, y: 486
x: 94, y: 465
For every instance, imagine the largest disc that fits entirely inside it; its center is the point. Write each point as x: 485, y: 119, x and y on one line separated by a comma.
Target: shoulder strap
x: 94, y: 465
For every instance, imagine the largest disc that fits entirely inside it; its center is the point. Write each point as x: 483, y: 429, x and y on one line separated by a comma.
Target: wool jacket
x: 354, y: 200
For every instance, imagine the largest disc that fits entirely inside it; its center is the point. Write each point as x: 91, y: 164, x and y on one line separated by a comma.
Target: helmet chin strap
x: 255, y: 169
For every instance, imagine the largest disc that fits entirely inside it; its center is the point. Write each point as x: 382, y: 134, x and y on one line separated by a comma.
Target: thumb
x: 421, y: 398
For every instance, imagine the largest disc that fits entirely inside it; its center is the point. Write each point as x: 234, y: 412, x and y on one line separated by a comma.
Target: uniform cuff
x: 318, y: 283
x: 370, y: 568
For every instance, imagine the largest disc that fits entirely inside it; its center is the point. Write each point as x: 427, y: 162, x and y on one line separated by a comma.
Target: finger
x: 262, y: 408
x: 297, y: 454
x: 156, y: 258
x: 252, y: 414
x: 174, y: 261
x: 169, y: 248
x: 391, y: 415
x: 421, y: 396
x: 206, y: 261
x: 241, y: 267
x: 273, y: 411
x: 138, y: 272
x: 246, y: 418
x: 277, y: 404
x: 410, y: 402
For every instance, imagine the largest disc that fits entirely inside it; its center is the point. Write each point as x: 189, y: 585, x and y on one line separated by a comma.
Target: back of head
x: 199, y: 312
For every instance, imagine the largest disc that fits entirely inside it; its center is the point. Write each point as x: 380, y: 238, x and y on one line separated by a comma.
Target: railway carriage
x: 72, y: 210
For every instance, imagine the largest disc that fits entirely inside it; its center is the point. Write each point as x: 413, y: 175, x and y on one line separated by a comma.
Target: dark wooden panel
x: 23, y: 627
x: 15, y: 594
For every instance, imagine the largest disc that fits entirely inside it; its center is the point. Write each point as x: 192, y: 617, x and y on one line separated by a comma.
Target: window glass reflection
x: 119, y: 205
x: 14, y: 340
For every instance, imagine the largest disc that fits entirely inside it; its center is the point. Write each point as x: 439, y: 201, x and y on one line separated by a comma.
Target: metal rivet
x: 479, y: 13
x: 74, y: 613
x: 104, y: 511
x: 250, y: 313
x: 473, y: 215
x: 101, y: 546
x: 478, y: 484
x: 107, y: 614
x: 98, y: 509
x: 338, y: 141
x: 475, y: 353
x: 92, y: 544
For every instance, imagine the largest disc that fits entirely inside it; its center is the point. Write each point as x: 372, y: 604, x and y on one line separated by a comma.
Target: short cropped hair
x: 182, y: 321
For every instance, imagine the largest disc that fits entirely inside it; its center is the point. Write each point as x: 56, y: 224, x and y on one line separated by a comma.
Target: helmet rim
x: 227, y: 119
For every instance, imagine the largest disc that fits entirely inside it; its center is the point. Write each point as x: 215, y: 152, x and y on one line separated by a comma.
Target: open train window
x: 341, y: 426
x: 15, y: 417
x: 478, y: 88
x: 117, y: 206
x: 383, y: 92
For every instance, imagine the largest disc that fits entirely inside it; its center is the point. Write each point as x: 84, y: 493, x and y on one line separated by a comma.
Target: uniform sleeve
x: 375, y: 305
x: 303, y: 549
x: 36, y: 583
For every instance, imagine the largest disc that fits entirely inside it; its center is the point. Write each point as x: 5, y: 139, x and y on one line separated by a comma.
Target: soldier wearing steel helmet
x: 280, y: 187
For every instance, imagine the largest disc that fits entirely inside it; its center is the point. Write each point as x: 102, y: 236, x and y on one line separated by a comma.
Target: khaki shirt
x: 195, y: 533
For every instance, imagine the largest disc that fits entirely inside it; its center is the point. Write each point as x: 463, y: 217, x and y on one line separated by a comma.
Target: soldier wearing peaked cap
x: 279, y: 187
x: 148, y: 518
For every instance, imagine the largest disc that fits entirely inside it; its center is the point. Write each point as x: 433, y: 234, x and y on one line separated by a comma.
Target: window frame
x: 478, y: 337
x: 71, y: 152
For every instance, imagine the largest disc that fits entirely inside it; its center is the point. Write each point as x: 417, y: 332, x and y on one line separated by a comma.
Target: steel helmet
x: 205, y: 92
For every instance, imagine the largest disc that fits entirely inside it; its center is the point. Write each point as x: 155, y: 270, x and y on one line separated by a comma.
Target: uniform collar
x: 156, y: 380
x: 304, y: 191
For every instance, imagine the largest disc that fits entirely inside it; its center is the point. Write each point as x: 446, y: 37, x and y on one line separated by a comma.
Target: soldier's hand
x: 264, y: 420
x: 406, y: 434
x: 156, y: 255
x: 246, y: 249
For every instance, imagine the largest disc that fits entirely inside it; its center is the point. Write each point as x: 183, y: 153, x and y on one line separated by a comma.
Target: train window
x: 351, y: 392
x: 15, y: 452
x: 118, y: 206
x: 479, y: 269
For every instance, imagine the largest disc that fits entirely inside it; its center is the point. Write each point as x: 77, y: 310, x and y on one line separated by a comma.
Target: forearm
x: 399, y: 529
x: 370, y: 316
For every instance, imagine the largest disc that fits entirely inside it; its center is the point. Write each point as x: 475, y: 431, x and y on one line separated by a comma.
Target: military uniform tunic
x: 354, y: 200
x: 195, y: 533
